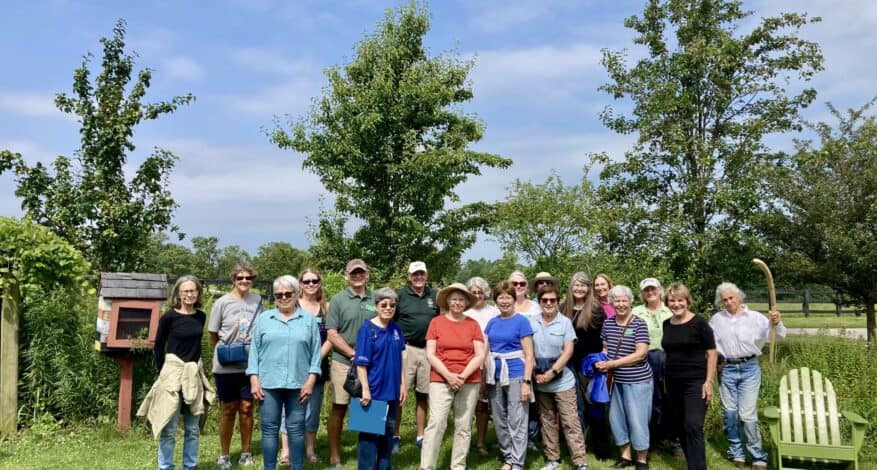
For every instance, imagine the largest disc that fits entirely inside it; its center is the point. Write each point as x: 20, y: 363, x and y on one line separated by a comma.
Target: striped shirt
x: 637, y: 332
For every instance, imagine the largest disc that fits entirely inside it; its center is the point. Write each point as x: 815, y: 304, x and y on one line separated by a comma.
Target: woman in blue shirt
x: 509, y: 367
x: 283, y: 366
x: 378, y: 361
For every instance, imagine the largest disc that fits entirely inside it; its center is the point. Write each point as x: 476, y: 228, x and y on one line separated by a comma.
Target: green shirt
x: 347, y: 313
x: 655, y: 323
x: 414, y: 312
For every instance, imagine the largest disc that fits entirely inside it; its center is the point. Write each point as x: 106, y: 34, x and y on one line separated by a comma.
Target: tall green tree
x: 705, y: 95
x: 88, y: 200
x: 277, y: 258
x: 389, y: 139
x: 551, y: 225
x: 824, y: 211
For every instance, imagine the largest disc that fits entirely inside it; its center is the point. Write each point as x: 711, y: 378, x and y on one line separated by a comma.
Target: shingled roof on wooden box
x: 133, y: 286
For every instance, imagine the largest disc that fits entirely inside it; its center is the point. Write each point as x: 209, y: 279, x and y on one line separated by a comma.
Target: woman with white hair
x: 283, y: 366
x: 626, y: 343
x: 482, y: 312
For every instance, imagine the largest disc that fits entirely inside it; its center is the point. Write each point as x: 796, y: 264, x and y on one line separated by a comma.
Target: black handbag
x: 352, y: 385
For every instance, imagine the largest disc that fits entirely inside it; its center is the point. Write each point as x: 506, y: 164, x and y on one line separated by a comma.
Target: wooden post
x: 11, y: 314
x: 805, y: 307
x: 126, y: 387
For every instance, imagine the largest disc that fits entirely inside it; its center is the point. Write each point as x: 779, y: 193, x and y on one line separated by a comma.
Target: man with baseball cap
x: 416, y: 309
x: 347, y: 312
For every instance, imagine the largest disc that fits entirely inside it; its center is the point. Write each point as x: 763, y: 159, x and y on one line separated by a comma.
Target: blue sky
x: 535, y: 81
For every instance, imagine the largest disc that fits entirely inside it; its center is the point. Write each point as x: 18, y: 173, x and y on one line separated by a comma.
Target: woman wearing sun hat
x: 455, y: 350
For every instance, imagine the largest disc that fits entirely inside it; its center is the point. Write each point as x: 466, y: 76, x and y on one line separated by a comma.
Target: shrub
x: 61, y: 373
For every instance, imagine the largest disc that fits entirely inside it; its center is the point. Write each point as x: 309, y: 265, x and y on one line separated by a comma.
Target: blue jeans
x: 286, y: 399
x: 312, y: 410
x: 375, y: 450
x: 739, y: 393
x: 629, y: 414
x: 190, y: 440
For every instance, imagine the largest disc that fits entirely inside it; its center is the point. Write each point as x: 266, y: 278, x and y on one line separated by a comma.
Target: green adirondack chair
x: 806, y: 426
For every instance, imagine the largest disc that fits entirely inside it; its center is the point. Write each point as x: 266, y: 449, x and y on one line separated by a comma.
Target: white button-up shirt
x: 743, y: 334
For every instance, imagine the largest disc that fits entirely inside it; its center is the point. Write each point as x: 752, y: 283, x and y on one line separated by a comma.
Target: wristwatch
x: 527, y: 381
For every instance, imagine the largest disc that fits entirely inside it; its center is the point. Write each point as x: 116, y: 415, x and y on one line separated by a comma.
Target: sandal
x: 284, y: 460
x: 313, y: 458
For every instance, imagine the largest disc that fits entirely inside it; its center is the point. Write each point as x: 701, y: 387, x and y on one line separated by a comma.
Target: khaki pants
x: 563, y: 404
x: 441, y: 400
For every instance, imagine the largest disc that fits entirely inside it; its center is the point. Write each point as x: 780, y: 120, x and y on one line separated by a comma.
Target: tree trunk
x: 11, y: 313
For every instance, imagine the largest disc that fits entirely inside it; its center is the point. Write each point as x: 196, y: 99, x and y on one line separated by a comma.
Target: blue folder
x: 371, y: 419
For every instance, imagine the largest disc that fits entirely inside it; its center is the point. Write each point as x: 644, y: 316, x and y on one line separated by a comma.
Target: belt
x: 739, y: 360
x: 416, y: 344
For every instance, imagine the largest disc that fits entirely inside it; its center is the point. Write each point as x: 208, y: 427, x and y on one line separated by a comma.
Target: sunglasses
x: 519, y: 283
x: 283, y: 295
x: 386, y: 305
x: 310, y: 282
x: 539, y: 283
x: 548, y: 301
x: 245, y: 278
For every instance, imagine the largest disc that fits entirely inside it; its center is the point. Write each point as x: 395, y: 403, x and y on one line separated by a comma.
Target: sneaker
x: 246, y: 459
x: 551, y: 465
x: 223, y: 462
x: 396, y: 447
x: 641, y: 466
x: 582, y: 466
x: 419, y: 442
x: 623, y: 463
x: 532, y: 446
x: 338, y: 466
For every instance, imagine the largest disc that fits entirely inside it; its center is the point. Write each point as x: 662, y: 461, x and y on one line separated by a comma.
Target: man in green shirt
x: 416, y: 308
x: 347, y: 312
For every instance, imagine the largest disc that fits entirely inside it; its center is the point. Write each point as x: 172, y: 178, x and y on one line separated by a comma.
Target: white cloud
x: 292, y: 97
x: 31, y: 104
x: 270, y: 61
x: 183, y: 68
x: 544, y: 74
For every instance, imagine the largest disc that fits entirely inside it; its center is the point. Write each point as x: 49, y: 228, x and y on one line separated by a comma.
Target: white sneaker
x: 224, y: 462
x: 246, y: 459
x: 551, y: 465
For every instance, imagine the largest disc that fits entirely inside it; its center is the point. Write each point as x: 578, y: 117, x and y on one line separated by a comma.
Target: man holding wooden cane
x: 740, y: 336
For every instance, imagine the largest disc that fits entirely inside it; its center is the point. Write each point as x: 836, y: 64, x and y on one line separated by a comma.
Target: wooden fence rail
x: 803, y: 297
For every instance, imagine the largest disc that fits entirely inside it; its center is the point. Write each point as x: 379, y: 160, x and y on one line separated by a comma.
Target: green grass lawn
x: 101, y: 447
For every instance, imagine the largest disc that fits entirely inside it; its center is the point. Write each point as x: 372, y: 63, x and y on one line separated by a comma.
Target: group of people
x: 587, y: 367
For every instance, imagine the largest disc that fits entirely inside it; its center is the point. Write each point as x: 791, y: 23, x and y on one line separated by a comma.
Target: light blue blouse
x: 284, y: 352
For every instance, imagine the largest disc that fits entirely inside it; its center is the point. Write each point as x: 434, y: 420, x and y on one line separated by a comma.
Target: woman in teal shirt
x: 283, y: 366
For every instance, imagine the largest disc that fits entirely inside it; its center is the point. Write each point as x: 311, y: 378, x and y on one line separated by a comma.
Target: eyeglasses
x: 310, y: 282
x: 548, y: 300
x: 519, y: 283
x: 245, y: 278
x: 386, y: 305
x: 284, y: 295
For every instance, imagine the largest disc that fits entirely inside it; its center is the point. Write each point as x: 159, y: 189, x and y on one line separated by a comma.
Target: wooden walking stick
x: 772, y: 293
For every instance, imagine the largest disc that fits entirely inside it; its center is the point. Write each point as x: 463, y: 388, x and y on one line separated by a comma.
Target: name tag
x: 629, y: 332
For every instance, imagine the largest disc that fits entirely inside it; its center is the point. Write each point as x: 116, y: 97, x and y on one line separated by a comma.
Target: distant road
x: 860, y: 333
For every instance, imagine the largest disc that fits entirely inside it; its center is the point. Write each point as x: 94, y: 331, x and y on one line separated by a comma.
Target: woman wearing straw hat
x: 455, y: 350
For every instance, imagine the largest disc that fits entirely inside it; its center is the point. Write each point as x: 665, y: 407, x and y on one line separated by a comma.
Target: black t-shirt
x: 686, y: 346
x: 587, y: 341
x: 180, y: 335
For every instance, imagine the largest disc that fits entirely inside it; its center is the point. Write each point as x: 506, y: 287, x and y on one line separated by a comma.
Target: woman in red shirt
x: 455, y: 350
